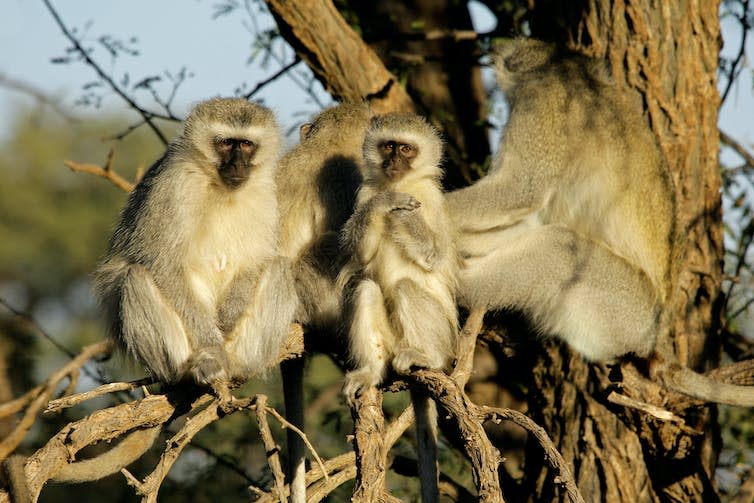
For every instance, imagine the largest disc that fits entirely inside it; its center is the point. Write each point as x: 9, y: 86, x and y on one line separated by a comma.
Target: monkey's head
x: 526, y: 59
x: 401, y: 147
x: 349, y: 119
x: 237, y: 138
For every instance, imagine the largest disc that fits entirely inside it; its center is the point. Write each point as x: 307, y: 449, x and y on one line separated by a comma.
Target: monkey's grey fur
x: 192, y: 285
x: 402, y: 273
x: 316, y: 185
x: 575, y: 223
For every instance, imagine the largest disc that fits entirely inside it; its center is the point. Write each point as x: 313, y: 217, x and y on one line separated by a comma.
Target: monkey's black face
x: 397, y: 158
x: 236, y: 155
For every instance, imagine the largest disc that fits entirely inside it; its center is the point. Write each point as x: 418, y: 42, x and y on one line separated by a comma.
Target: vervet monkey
x: 402, y: 307
x: 316, y: 184
x: 575, y: 223
x: 192, y: 285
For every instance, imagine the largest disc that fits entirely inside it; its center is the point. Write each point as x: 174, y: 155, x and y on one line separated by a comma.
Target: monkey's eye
x: 228, y: 142
x: 389, y: 146
x: 406, y: 148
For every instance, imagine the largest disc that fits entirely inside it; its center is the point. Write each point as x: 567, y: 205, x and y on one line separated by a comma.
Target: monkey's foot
x: 208, y: 366
x: 407, y: 358
x: 357, y: 381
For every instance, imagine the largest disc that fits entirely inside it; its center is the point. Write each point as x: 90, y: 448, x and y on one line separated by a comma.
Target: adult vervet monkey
x: 316, y: 184
x: 575, y: 223
x: 192, y: 285
x: 402, y: 308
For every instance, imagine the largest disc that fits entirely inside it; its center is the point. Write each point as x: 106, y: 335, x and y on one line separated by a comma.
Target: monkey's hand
x: 390, y: 201
x: 208, y: 366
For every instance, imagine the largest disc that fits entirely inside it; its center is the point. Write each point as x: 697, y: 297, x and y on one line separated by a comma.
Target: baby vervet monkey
x: 575, y: 223
x: 402, y: 273
x: 316, y: 185
x: 192, y: 285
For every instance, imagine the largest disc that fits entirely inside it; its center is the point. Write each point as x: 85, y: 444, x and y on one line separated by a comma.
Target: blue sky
x: 181, y: 33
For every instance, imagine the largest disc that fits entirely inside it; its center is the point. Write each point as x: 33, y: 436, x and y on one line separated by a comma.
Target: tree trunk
x: 667, y: 51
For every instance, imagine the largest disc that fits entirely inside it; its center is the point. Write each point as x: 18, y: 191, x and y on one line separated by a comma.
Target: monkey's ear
x: 514, y: 62
x: 304, y: 130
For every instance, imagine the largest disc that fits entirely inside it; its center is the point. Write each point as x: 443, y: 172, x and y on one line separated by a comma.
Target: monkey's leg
x: 150, y: 328
x: 571, y: 287
x: 428, y: 325
x: 370, y: 338
x: 255, y: 342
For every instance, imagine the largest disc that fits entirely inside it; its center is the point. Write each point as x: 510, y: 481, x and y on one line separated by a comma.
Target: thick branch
x: 341, y: 61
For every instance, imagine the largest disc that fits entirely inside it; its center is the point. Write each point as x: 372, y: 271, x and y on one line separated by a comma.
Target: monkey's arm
x: 362, y: 232
x: 491, y: 204
x: 412, y: 234
x: 236, y: 299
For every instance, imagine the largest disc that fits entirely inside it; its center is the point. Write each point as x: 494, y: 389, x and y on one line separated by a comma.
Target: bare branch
x: 103, y: 75
x: 107, y: 172
x: 330, y: 47
x: 39, y: 396
x: 271, y: 448
x: 55, y: 406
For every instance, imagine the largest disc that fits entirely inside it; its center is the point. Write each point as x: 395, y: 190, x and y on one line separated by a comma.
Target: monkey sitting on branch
x: 575, y: 225
x: 401, y: 306
x: 192, y: 286
x: 316, y: 186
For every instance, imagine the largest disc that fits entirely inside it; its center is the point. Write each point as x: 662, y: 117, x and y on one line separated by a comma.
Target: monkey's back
x: 593, y: 146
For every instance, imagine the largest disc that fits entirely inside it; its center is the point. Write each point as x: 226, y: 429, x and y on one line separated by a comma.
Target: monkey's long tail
x: 426, y: 445
x: 126, y: 452
x: 293, y: 393
x: 688, y: 382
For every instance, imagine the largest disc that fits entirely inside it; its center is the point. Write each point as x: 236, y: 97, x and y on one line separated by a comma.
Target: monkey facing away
x: 316, y: 186
x: 575, y: 223
x: 192, y: 285
x: 402, y: 274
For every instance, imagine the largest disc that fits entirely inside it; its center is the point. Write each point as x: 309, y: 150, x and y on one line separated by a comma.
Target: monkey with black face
x: 192, y: 285
x: 402, y: 274
x: 316, y: 185
x: 575, y: 223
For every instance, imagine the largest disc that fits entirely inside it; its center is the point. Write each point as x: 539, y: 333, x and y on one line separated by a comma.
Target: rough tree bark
x: 667, y: 52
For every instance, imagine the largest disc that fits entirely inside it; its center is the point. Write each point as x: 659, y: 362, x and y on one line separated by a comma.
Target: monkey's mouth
x: 234, y: 175
x: 394, y: 172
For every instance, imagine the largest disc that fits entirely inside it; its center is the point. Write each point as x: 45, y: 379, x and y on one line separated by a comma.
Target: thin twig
x: 271, y: 448
x: 261, y: 85
x: 551, y: 452
x: 106, y: 172
x: 304, y: 438
x: 55, y: 406
x: 148, y: 116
